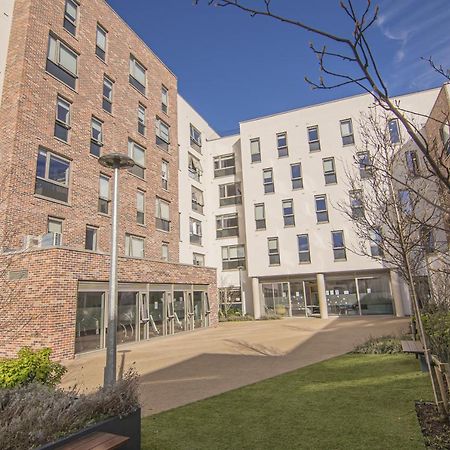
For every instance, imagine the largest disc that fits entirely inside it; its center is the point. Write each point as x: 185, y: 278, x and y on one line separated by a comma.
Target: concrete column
x: 256, y: 298
x: 322, y: 296
x: 396, y: 288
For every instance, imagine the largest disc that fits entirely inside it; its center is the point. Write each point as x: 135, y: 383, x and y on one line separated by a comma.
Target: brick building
x: 79, y: 83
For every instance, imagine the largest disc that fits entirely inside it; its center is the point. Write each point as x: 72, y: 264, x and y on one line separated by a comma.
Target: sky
x: 232, y: 67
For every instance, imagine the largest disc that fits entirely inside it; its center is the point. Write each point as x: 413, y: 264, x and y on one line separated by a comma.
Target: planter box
x: 126, y: 426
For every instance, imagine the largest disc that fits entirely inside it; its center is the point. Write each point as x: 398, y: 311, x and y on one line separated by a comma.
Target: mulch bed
x: 435, y: 432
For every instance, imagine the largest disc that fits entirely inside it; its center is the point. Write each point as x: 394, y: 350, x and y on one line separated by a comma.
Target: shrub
x: 437, y: 328
x: 30, y: 366
x: 380, y: 345
x: 35, y: 414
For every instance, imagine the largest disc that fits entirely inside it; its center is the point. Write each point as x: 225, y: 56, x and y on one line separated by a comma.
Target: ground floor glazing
x: 345, y: 296
x: 145, y: 311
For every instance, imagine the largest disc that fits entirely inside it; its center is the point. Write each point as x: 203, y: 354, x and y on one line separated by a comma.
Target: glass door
x: 298, y: 300
x: 90, y: 321
x: 189, y: 304
x: 199, y: 310
x: 127, y: 317
x: 156, y: 316
x: 179, y: 311
x: 312, y: 299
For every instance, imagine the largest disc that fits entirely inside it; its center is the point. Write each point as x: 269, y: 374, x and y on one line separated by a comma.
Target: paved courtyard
x: 181, y: 369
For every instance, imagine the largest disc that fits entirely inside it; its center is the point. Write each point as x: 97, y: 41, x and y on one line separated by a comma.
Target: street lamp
x: 114, y: 161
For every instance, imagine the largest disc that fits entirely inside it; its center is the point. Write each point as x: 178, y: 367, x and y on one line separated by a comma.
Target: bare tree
x: 351, y: 61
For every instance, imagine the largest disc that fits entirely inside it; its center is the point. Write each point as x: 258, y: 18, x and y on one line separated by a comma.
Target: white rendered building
x: 269, y: 221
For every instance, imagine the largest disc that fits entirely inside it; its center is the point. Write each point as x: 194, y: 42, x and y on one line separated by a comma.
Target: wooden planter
x: 129, y: 426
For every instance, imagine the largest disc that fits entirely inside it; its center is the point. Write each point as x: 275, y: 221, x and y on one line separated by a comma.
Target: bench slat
x: 97, y: 441
x: 412, y: 346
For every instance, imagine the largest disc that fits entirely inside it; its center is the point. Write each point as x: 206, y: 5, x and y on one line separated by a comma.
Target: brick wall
x: 27, y: 118
x: 40, y: 309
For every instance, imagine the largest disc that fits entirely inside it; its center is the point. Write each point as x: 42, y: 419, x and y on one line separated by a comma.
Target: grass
x: 349, y: 402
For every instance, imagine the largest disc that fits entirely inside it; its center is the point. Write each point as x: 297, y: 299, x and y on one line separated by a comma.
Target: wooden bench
x: 97, y: 441
x: 416, y: 348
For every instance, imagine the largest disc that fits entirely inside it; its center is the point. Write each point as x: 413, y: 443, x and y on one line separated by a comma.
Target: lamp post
x: 114, y: 161
x: 243, y: 305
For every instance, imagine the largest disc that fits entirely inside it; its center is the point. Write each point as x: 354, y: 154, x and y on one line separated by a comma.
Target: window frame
x: 223, y: 231
x: 196, y: 141
x: 397, y: 126
x: 61, y: 125
x: 255, y: 157
x: 104, y: 200
x: 283, y: 150
x: 412, y: 162
x: 68, y: 20
x: 356, y: 203
x: 140, y: 211
x: 138, y: 169
x: 142, y: 119
x: 237, y: 199
x: 54, y: 64
x: 288, y: 218
x: 303, y: 252
x: 375, y: 241
x: 314, y: 144
x: 165, y: 175
x: 269, y: 186
x: 260, y: 223
x: 165, y: 245
x: 96, y: 144
x: 365, y: 170
x: 231, y: 263
x: 222, y: 170
x: 347, y: 139
x: 129, y: 238
x: 132, y: 79
x: 336, y: 249
x: 198, y: 262
x: 94, y: 238
x: 164, y: 105
x: 107, y: 102
x: 162, y: 224
x: 161, y: 140
x: 195, y: 231
x: 324, y: 212
x: 99, y: 51
x: 274, y: 253
x: 329, y: 175
x: 296, y: 182
x: 199, y: 206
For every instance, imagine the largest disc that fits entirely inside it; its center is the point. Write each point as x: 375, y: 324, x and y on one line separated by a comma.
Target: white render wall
x: 327, y: 116
x: 6, y: 12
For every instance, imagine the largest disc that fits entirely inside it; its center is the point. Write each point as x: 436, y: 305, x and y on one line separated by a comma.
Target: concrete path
x: 181, y: 369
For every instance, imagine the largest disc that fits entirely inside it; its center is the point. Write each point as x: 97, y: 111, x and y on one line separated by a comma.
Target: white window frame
x: 329, y: 174
x: 129, y: 238
x: 346, y: 136
x: 56, y: 57
x: 283, y: 149
x: 314, y: 144
x: 253, y: 153
x: 274, y: 251
x: 339, y: 248
x: 321, y: 211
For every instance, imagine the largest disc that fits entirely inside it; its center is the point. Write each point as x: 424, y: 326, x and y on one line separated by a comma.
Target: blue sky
x: 232, y: 67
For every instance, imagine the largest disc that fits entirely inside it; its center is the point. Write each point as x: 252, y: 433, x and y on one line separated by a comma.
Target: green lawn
x: 351, y: 402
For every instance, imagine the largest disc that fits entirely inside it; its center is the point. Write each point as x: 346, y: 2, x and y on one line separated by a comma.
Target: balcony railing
x: 236, y: 200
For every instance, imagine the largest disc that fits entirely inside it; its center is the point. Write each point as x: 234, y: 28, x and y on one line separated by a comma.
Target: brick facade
x: 39, y: 310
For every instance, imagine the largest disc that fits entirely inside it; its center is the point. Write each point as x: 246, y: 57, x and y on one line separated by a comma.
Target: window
x: 412, y: 162
x: 445, y: 136
x: 165, y: 175
x: 268, y: 181
x: 162, y: 219
x: 404, y: 197
x: 141, y: 119
x: 61, y: 62
x: 103, y: 195
x: 338, y: 245
x: 427, y: 238
x: 138, y: 76
x: 96, y: 137
x: 356, y: 204
x: 198, y: 259
x: 134, y: 246
x: 140, y: 207
x: 165, y: 251
x: 365, y: 164
x: 107, y: 94
x: 288, y: 213
x: 195, y: 231
x: 296, y: 176
x: 224, y: 165
x: 230, y: 194
x: 162, y: 134
x: 100, y: 42
x: 255, y: 150
x: 90, y: 242
x: 313, y: 138
x: 62, y: 122
x: 260, y: 216
x: 70, y: 16
x: 347, y: 132
x: 304, y: 255
x: 394, y: 131
x: 274, y: 252
x: 282, y: 145
x: 52, y: 176
x: 376, y: 240
x: 196, y: 139
x: 194, y: 168
x: 329, y: 171
x: 233, y: 257
x: 227, y: 225
x: 164, y: 99
x: 54, y: 230
x: 197, y: 200
x: 137, y: 152
x: 321, y: 208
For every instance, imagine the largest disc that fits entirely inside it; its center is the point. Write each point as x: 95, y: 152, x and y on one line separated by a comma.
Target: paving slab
x: 180, y: 369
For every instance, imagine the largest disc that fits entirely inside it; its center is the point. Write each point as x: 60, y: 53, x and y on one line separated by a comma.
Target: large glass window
x: 134, y: 246
x: 268, y: 183
x: 375, y: 295
x: 233, y: 257
x: 162, y: 219
x: 137, y: 152
x: 52, y: 176
x: 260, y: 216
x: 276, y: 298
x: 347, y: 132
x: 89, y: 327
x: 321, y: 208
x: 342, y: 297
x: 282, y: 145
x: 313, y: 138
x: 296, y: 176
x: 127, y: 315
x: 255, y: 150
x: 224, y: 165
x: 230, y: 194
x: 227, y: 225
x: 138, y: 75
x: 62, y: 122
x: 62, y: 62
